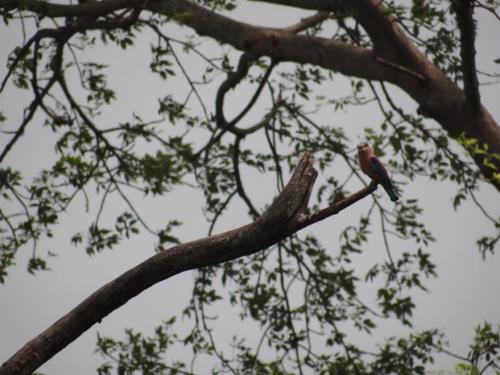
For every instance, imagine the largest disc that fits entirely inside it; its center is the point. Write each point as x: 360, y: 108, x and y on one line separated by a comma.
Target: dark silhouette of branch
x: 339, y: 206
x: 233, y: 79
x: 464, y: 11
x: 39, y: 96
x: 237, y: 176
x: 490, y: 9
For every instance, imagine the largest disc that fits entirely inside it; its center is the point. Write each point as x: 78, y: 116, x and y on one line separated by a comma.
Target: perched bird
x: 374, y: 168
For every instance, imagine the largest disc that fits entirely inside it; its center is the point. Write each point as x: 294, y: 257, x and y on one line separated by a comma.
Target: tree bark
x: 284, y: 217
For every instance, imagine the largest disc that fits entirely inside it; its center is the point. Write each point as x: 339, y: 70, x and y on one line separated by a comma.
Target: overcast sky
x: 464, y: 294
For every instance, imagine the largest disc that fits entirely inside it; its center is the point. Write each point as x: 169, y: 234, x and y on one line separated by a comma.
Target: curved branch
x: 229, y: 83
x: 284, y: 217
x: 255, y: 96
x: 239, y: 185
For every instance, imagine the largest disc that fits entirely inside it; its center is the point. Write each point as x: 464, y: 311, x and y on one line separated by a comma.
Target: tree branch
x: 237, y: 176
x: 279, y: 44
x: 464, y: 11
x: 339, y: 206
x: 39, y: 96
x: 92, y: 9
x: 284, y: 217
x: 307, y: 22
x: 233, y: 79
x: 276, y: 43
x: 266, y: 120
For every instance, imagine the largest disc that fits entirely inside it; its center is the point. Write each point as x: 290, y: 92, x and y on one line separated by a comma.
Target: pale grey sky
x: 464, y: 294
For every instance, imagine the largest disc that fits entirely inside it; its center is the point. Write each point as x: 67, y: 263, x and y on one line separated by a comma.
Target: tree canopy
x: 237, y: 102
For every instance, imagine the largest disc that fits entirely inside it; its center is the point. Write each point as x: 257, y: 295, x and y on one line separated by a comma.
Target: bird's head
x: 365, y: 149
x: 363, y: 146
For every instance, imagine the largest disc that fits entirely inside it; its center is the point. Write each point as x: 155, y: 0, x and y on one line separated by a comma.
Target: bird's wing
x: 379, y: 169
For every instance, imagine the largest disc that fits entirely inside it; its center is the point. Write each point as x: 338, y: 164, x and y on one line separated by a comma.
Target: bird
x: 373, y: 168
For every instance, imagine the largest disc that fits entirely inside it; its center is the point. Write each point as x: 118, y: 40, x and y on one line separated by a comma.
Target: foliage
x: 303, y: 295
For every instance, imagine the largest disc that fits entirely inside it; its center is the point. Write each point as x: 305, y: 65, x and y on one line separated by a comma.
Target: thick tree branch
x: 464, y: 10
x: 373, y: 15
x: 260, y: 41
x: 92, y: 9
x: 284, y: 217
x: 276, y: 43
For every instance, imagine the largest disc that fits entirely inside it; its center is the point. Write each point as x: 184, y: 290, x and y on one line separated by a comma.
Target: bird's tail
x: 390, y: 192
